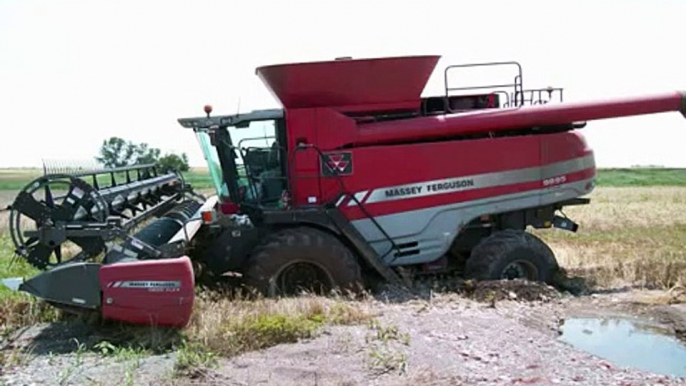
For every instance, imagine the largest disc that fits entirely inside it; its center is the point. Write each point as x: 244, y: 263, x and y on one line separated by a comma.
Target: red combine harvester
x: 355, y: 177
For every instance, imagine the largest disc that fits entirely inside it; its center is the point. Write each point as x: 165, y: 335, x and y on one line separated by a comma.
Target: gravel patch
x: 450, y: 342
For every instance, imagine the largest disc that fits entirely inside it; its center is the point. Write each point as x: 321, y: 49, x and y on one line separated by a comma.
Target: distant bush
x: 116, y: 152
x: 173, y: 161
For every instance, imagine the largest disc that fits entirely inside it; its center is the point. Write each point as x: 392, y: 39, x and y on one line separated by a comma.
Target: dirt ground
x: 508, y: 337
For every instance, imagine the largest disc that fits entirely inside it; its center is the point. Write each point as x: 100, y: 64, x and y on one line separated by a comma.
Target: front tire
x: 302, y: 259
x: 512, y: 254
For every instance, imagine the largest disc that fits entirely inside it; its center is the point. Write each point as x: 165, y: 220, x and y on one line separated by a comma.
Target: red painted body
x: 324, y: 102
x: 379, y: 167
x: 153, y: 292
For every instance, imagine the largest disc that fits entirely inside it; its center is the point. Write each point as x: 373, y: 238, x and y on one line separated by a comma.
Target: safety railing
x: 509, y: 93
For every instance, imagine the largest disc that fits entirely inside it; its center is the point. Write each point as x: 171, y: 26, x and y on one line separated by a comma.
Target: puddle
x: 628, y: 343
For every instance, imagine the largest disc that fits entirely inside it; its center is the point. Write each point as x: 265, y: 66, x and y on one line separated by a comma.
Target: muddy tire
x: 292, y: 260
x: 512, y: 254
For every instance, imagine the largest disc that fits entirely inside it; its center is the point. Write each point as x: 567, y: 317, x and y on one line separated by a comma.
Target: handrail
x: 517, y: 84
x: 516, y: 98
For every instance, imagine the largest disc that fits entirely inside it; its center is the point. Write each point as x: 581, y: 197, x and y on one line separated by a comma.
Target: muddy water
x: 629, y: 343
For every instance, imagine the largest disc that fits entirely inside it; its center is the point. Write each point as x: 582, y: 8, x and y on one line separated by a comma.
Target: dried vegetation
x: 628, y: 237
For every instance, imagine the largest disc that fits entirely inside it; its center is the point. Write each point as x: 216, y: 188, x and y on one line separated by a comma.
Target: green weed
x: 193, y: 357
x: 385, y: 352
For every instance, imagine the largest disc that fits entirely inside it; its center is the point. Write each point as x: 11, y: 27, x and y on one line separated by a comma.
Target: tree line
x: 116, y: 152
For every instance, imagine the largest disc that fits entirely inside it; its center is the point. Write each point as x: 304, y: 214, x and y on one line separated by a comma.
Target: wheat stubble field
x: 628, y: 236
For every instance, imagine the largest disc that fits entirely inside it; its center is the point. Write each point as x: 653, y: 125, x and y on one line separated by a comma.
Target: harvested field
x: 628, y: 237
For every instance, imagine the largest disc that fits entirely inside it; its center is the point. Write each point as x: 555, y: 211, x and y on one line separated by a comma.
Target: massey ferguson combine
x: 355, y: 178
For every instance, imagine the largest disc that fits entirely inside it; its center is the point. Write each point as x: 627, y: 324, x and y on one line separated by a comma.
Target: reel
x: 60, y: 218
x: 43, y: 210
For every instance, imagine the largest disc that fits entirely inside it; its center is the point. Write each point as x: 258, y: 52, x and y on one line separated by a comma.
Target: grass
x: 69, y: 371
x: 225, y: 326
x: 18, y: 309
x: 199, y: 178
x: 16, y: 179
x: 386, y: 349
x: 221, y: 326
x: 628, y: 236
x: 231, y: 326
x: 193, y: 358
x: 641, y: 177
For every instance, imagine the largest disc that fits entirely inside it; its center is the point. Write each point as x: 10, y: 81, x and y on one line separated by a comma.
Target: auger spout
x: 496, y: 120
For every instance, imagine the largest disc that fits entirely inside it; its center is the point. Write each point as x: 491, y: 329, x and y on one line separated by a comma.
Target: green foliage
x: 19, y: 309
x: 105, y: 348
x: 641, y: 177
x: 66, y: 374
x: 144, y: 154
x: 173, y: 161
x: 11, y: 265
x: 129, y: 351
x: 16, y: 179
x: 117, y: 152
x: 199, y: 179
x: 382, y: 360
x: 265, y: 330
x: 385, y: 352
x: 191, y: 357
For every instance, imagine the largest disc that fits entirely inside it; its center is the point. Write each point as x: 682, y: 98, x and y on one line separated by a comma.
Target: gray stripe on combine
x: 479, y: 181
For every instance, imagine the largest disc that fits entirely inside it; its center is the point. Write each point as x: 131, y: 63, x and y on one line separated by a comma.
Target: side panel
x: 429, y: 232
x: 423, y: 194
x: 399, y: 178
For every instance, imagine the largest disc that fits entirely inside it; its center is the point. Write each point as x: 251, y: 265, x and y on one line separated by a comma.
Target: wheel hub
x: 520, y: 269
x: 303, y: 276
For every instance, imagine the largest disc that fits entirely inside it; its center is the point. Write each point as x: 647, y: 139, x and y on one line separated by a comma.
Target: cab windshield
x: 258, y: 159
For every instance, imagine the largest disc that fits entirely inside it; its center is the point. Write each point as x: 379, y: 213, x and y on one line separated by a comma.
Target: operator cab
x: 246, y: 156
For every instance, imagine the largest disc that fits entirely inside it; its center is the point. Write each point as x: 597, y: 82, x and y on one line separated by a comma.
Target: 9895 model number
x: 554, y: 181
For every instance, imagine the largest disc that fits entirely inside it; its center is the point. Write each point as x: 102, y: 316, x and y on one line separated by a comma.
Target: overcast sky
x: 75, y: 72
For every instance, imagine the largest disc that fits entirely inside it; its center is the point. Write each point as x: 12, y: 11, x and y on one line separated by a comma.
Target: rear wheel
x: 302, y: 259
x: 512, y: 254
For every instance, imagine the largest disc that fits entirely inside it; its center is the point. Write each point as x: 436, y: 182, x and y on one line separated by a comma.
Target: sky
x: 73, y: 73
